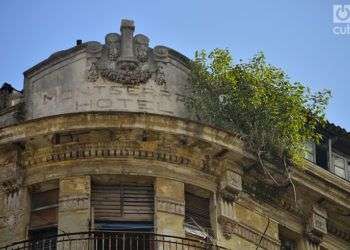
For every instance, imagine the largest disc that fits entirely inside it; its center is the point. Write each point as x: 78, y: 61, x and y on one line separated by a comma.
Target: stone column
x: 74, y: 204
x: 169, y: 207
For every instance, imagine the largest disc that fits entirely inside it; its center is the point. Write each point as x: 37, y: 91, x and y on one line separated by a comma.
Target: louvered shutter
x: 44, y: 209
x: 197, y: 211
x: 123, y: 202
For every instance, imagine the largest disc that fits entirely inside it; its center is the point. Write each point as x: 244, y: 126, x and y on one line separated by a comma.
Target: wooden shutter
x: 197, y: 211
x: 124, y: 202
x: 44, y: 209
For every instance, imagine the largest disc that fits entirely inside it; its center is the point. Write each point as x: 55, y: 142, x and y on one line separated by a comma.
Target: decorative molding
x: 125, y: 58
x: 316, y: 226
x: 170, y: 206
x: 100, y: 150
x: 11, y: 185
x: 334, y: 230
x: 230, y: 185
x: 230, y: 227
x: 74, y: 203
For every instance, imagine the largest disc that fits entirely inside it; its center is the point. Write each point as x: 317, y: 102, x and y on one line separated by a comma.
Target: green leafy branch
x: 275, y: 116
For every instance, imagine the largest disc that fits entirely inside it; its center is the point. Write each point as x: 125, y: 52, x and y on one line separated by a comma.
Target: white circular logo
x: 343, y: 13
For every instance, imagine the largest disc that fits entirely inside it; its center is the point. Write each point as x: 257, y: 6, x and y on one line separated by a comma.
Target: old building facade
x: 99, y: 149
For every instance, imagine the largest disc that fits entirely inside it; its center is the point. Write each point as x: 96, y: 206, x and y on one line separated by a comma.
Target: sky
x: 298, y: 36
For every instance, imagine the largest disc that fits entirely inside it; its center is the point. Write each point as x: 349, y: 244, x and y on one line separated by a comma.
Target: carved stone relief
x: 126, y: 59
x: 11, y: 172
x: 230, y: 185
x: 316, y: 226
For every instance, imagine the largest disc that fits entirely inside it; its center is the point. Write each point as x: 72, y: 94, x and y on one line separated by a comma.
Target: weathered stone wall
x: 74, y: 204
x: 170, y: 207
x: 94, y: 77
x: 127, y: 76
x: 9, y: 117
x: 14, y: 216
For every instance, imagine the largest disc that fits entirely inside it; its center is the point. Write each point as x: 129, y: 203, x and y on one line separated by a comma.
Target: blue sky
x: 294, y: 35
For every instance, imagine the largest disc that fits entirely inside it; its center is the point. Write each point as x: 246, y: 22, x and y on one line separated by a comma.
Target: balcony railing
x: 113, y: 241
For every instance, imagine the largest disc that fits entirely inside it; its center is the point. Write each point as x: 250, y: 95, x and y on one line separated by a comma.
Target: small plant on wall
x: 275, y: 116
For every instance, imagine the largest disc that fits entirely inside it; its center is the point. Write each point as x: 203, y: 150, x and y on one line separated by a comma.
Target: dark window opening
x: 322, y: 156
x: 43, y: 238
x: 287, y: 244
x: 197, y: 214
x: 44, y: 209
x: 43, y: 220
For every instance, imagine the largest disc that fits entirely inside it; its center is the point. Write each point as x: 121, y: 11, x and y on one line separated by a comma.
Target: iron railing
x: 102, y: 240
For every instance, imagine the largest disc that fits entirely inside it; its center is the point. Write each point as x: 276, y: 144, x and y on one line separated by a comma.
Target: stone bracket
x: 316, y: 226
x: 230, y: 185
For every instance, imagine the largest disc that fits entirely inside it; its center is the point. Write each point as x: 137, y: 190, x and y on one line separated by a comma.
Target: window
x: 43, y: 219
x: 197, y: 215
x: 310, y: 151
x: 341, y: 166
x: 288, y: 238
x: 123, y: 207
x: 287, y: 244
x: 44, y: 209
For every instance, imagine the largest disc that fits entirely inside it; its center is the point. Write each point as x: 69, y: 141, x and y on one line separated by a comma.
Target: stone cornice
x: 91, y: 151
x: 321, y: 182
x: 55, y: 58
x: 126, y: 120
x: 333, y: 229
x: 327, y: 176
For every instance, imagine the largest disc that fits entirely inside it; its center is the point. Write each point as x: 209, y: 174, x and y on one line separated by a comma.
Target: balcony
x: 103, y: 240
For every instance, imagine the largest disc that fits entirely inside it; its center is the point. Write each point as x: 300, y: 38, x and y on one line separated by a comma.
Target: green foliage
x: 274, y: 115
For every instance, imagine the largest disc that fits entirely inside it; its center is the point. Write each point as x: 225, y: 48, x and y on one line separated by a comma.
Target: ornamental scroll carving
x: 126, y: 59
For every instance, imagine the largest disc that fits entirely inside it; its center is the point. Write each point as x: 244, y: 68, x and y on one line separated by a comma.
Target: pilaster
x: 170, y: 207
x: 74, y: 204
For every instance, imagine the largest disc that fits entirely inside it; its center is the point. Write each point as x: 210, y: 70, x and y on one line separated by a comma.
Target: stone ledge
x: 105, y: 152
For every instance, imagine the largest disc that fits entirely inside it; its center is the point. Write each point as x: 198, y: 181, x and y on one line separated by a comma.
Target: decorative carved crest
x: 126, y: 59
x: 230, y: 185
x: 316, y: 226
